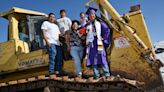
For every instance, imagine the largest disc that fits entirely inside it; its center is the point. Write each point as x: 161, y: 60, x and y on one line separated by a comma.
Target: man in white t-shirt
x: 64, y: 24
x: 51, y: 36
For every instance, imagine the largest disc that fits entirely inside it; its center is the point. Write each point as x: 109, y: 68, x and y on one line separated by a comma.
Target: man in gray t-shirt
x: 64, y: 24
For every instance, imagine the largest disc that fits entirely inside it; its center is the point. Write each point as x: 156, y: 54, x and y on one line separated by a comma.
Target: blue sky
x: 152, y: 10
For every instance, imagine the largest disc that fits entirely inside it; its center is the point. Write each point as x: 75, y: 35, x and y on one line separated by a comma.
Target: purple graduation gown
x: 96, y: 57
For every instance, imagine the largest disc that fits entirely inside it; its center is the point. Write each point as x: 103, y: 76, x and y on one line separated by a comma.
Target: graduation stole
x: 97, y: 28
x: 91, y: 30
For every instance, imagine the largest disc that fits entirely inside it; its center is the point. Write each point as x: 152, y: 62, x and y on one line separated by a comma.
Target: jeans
x: 59, y: 59
x: 77, y: 54
x: 55, y: 58
x: 105, y: 70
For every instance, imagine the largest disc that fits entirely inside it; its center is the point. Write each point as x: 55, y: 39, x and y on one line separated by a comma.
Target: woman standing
x: 75, y: 46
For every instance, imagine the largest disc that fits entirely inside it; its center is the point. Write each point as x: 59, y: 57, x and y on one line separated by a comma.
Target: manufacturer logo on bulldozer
x: 30, y: 62
x: 121, y: 42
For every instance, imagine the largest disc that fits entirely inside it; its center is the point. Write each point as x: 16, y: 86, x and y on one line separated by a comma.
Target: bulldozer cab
x: 25, y: 46
x: 30, y: 31
x: 24, y: 25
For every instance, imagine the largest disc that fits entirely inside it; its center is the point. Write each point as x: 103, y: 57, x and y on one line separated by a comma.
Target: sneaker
x: 107, y: 77
x: 56, y: 72
x: 79, y: 75
x: 51, y: 73
x: 97, y: 77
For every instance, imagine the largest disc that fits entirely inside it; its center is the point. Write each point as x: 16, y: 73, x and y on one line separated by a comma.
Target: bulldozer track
x: 74, y: 84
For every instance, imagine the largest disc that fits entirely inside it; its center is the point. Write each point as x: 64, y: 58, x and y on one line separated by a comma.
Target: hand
x: 61, y: 44
x: 68, y: 48
x: 48, y: 44
x: 62, y: 34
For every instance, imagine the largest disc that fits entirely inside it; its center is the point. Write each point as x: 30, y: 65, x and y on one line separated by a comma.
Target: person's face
x: 75, y: 26
x: 51, y: 18
x: 62, y: 14
x: 92, y: 16
x: 82, y: 15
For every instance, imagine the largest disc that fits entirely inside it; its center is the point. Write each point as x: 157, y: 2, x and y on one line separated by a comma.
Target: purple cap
x: 91, y: 10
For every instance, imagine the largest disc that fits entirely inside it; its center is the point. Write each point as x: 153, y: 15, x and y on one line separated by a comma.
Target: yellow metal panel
x: 127, y: 61
x: 33, y: 59
x: 137, y: 21
x: 8, y: 58
x: 13, y: 27
x: 21, y: 47
x: 7, y: 50
x: 32, y: 54
x: 20, y: 10
x: 69, y: 66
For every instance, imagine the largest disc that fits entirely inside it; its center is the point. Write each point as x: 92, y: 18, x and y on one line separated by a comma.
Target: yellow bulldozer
x: 24, y: 60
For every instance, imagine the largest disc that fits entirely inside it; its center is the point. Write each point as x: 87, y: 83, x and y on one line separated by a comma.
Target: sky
x: 152, y: 10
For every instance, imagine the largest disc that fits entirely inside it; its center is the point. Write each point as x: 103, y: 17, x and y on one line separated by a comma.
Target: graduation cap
x: 91, y: 10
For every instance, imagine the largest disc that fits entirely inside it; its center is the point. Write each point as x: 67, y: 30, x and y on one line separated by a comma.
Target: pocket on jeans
x: 49, y: 48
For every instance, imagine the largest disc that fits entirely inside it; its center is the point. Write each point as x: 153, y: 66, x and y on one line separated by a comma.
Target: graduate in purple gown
x: 98, y: 37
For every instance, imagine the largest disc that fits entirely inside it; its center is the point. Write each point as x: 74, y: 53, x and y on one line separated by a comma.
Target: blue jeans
x: 105, y: 70
x: 55, y: 62
x: 77, y: 54
x: 59, y: 59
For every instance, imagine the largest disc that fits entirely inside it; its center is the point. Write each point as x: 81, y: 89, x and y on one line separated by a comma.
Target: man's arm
x: 44, y: 29
x: 46, y: 39
x: 70, y: 23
